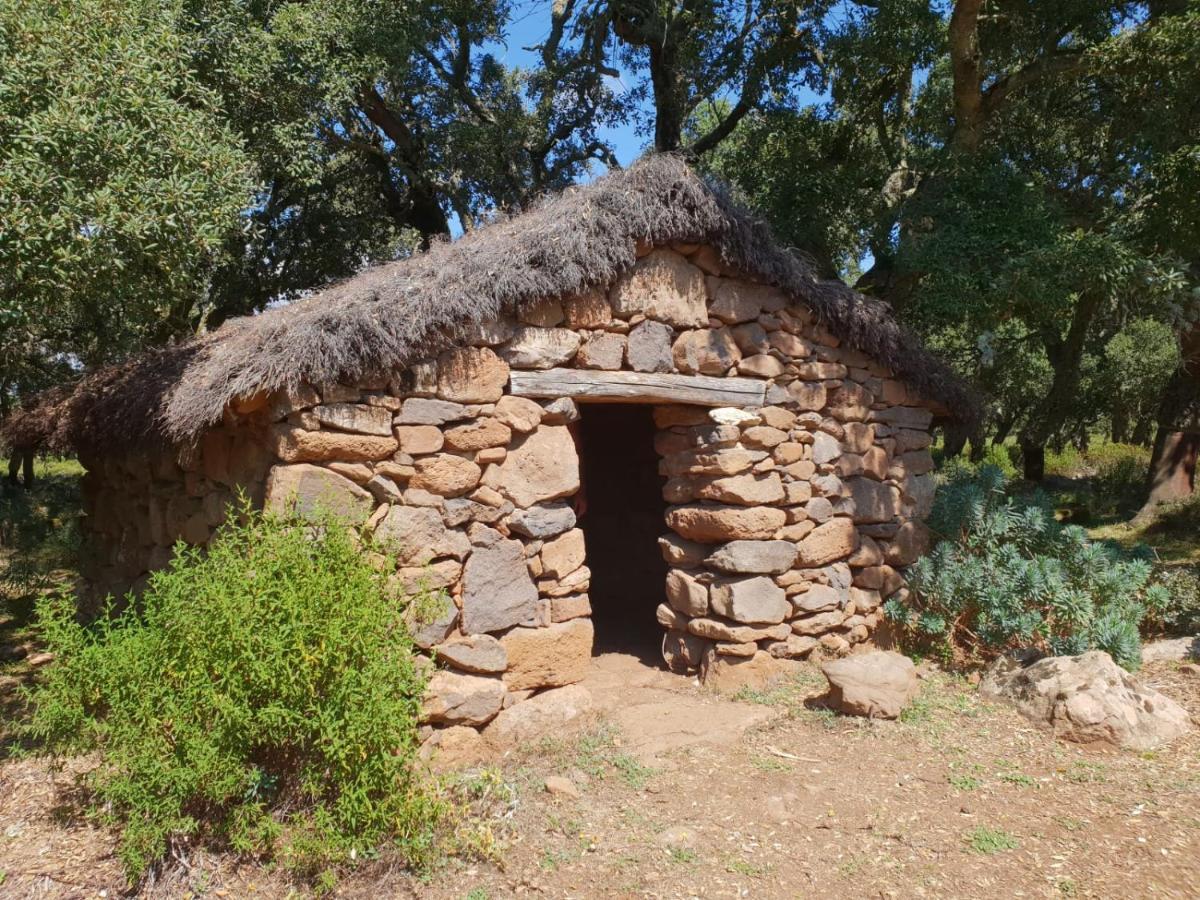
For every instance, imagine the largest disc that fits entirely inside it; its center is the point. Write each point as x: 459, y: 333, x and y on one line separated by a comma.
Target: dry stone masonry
x: 787, y: 528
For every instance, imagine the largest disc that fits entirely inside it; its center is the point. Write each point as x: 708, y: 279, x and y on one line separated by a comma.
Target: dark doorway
x: 622, y: 522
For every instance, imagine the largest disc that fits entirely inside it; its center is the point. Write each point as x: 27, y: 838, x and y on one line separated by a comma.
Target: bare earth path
x: 682, y: 795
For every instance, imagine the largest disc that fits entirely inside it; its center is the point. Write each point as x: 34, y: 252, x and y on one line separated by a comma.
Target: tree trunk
x: 1065, y: 355
x: 1003, y: 428
x: 955, y: 440
x: 1120, y: 424
x: 1172, y: 470
x: 1142, y: 431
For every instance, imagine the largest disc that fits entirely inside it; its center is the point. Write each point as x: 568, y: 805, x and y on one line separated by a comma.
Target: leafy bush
x: 1180, y: 614
x: 1007, y: 575
x: 262, y: 695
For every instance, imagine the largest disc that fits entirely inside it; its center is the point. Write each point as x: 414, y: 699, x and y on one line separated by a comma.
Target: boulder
x: 314, y: 489
x: 497, y: 589
x: 540, y: 348
x: 587, y: 310
x: 355, y: 417
x: 717, y: 524
x: 476, y: 653
x: 541, y: 466
x: 1087, y: 699
x: 648, y: 348
x: 663, y: 286
x: 751, y: 601
x: 456, y: 747
x: 730, y: 674
x: 452, y: 698
x: 547, y: 713
x: 419, y: 535
x: 471, y: 375
x: 877, y: 685
x: 753, y: 557
x: 552, y: 656
x: 747, y: 489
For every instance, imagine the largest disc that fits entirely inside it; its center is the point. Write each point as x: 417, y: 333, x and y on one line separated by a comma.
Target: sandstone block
x: 445, y: 475
x: 587, y: 310
x: 818, y: 623
x: 314, y: 489
x: 790, y: 345
x: 540, y: 466
x: 298, y: 445
x: 707, y: 351
x: 663, y: 286
x: 735, y: 301
x: 730, y: 674
x: 519, y: 413
x: 418, y: 439
x: 877, y: 685
x: 601, y: 350
x: 686, y: 594
x: 751, y: 339
x: 548, y: 713
x: 874, y: 501
x: 834, y: 540
x: 476, y: 653
x: 471, y: 375
x: 680, y: 552
x: 747, y: 489
x: 818, y: 598
x: 564, y: 554
x: 553, y: 656
x: 573, y: 606
x: 452, y: 698
x: 717, y: 524
x: 760, y: 365
x: 540, y: 348
x: 477, y: 435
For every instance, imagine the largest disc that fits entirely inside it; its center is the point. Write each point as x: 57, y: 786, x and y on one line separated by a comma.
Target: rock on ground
x: 1086, y: 699
x: 878, y: 684
x: 545, y: 713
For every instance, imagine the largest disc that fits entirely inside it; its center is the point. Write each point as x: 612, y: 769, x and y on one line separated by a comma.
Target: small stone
x: 706, y: 351
x: 564, y: 554
x: 834, y: 540
x: 680, y: 552
x: 561, y: 787
x: 355, y: 417
x: 478, y: 653
x: 543, y: 521
x: 445, y: 474
x: 419, y: 439
x: 761, y: 365
x: 602, y: 350
x: 384, y: 489
x: 730, y: 674
x: 562, y: 411
x: 424, y: 411
x: 686, y: 594
x: 477, y: 435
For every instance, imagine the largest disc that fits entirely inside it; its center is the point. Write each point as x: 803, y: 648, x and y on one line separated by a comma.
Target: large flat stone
x: 543, y: 521
x: 547, y: 713
x: 834, y: 540
x: 753, y: 557
x: 552, y: 656
x: 540, y: 348
x: 663, y: 286
x: 471, y: 375
x: 355, y: 417
x: 419, y: 535
x: 498, y: 591
x: 540, y: 466
x: 313, y: 489
x: 751, y: 601
x: 717, y: 524
x: 298, y: 445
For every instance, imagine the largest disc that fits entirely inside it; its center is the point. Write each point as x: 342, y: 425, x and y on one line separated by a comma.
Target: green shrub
x: 1180, y: 613
x: 1006, y: 575
x: 261, y: 696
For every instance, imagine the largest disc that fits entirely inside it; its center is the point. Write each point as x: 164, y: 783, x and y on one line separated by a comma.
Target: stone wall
x: 786, y: 527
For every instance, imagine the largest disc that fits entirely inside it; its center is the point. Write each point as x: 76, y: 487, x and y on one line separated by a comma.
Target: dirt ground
x: 684, y: 795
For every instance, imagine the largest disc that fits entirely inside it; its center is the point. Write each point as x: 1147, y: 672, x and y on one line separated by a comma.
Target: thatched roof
x: 393, y: 314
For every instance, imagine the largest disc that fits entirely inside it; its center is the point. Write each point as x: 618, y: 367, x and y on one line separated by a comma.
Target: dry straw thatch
x: 393, y: 314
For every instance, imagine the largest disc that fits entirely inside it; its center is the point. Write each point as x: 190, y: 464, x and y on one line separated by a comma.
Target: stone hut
x: 623, y: 418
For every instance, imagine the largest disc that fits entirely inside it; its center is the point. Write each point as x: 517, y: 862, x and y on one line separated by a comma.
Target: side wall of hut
x: 786, y: 526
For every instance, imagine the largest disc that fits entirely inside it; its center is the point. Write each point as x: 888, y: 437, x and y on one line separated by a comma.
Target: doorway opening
x: 622, y: 521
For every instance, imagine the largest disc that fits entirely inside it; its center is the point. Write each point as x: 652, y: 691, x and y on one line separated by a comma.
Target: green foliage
x: 119, y: 181
x: 262, y: 695
x: 1179, y: 612
x: 1005, y: 575
x: 39, y: 532
x: 988, y: 840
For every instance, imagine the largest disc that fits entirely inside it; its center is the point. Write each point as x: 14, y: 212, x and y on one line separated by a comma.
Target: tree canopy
x: 1020, y: 180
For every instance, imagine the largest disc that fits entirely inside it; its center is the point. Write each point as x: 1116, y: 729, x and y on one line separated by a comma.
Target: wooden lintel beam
x: 638, y: 387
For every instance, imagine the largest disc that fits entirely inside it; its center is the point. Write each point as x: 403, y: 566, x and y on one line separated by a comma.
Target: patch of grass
x: 631, y: 771
x: 745, y: 867
x: 984, y: 839
x: 476, y: 894
x: 551, y: 859
x: 684, y: 855
x: 965, y: 782
x: 1018, y: 778
x: 1069, y: 823
x: 769, y: 764
x: 1081, y: 772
